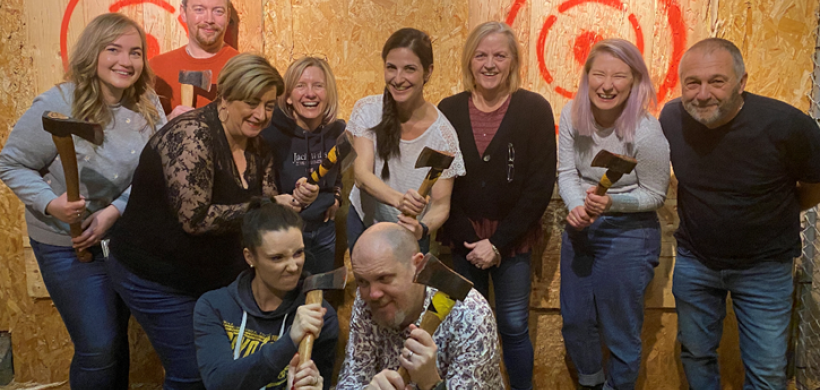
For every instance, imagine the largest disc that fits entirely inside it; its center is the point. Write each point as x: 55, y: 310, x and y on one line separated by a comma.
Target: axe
x: 343, y: 151
x: 616, y: 166
x: 438, y: 161
x: 62, y: 128
x: 313, y: 287
x: 188, y: 79
x: 451, y: 287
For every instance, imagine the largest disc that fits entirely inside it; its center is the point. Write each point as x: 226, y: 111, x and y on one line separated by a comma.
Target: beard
x: 393, y: 323
x: 209, y: 40
x: 721, y: 111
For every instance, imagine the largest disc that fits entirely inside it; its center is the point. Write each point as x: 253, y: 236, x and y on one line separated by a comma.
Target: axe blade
x: 434, y: 159
x: 435, y: 274
x: 62, y: 126
x: 333, y: 280
x: 615, y: 162
x: 197, y: 78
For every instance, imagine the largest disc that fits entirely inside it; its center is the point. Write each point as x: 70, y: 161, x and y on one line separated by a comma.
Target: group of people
x: 202, y: 223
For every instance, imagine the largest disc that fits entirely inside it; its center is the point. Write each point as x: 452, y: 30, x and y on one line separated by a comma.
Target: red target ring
x: 585, y: 41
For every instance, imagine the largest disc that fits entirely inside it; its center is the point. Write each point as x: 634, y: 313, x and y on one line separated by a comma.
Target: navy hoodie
x: 264, y: 356
x: 291, y: 147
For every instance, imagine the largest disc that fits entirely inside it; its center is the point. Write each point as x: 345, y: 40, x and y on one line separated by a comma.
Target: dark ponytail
x: 265, y: 215
x: 388, y: 131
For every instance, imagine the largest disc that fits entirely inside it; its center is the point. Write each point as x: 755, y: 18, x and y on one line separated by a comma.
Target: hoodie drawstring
x: 238, y: 346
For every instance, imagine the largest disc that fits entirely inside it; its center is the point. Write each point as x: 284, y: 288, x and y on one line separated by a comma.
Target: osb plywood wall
x: 776, y: 38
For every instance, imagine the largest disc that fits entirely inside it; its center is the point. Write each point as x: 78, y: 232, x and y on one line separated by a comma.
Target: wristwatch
x: 440, y: 385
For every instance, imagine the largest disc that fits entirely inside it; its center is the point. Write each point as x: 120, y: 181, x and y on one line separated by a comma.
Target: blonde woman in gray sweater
x: 109, y: 83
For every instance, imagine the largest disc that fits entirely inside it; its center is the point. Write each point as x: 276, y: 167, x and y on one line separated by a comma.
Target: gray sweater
x: 642, y: 190
x: 30, y: 166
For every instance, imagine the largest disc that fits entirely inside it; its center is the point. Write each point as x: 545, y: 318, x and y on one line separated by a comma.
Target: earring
x: 223, y: 118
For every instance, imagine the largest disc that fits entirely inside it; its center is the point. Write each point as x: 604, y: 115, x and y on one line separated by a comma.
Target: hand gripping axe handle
x: 313, y: 287
x: 62, y: 128
x: 437, y: 161
x: 451, y: 287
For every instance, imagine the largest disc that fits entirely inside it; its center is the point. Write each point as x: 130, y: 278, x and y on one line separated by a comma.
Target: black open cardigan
x: 528, y: 128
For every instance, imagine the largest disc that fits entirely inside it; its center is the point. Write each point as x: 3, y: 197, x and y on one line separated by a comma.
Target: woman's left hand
x: 482, y: 254
x: 305, y: 376
x: 95, y: 226
x: 596, y: 205
x: 411, y: 224
x: 304, y: 192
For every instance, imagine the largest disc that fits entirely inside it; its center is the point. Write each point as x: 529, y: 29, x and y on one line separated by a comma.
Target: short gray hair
x: 709, y: 45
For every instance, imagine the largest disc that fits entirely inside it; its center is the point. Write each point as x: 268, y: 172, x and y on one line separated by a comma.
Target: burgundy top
x: 485, y: 124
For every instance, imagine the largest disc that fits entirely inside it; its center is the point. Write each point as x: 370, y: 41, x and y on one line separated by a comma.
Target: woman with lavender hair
x: 611, y: 244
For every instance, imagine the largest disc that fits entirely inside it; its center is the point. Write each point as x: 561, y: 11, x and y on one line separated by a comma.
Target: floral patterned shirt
x: 468, y: 355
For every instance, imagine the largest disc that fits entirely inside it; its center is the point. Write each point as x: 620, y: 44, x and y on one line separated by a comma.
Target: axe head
x: 344, y: 151
x: 197, y: 78
x: 435, y: 274
x: 614, y: 162
x: 434, y: 159
x: 60, y: 125
x: 333, y: 280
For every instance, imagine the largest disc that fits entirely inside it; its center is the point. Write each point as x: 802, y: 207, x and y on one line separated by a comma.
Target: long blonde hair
x: 89, y: 103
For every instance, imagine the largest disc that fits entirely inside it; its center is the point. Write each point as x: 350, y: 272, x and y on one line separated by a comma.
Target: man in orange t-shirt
x: 207, y: 22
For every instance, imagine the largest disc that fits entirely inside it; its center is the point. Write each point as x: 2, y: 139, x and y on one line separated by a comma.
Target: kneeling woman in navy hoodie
x: 301, y: 133
x: 247, y: 334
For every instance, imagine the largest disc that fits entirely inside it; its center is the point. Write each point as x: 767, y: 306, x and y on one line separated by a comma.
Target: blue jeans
x: 605, y: 270
x: 320, y: 248
x: 166, y: 315
x: 93, y: 313
x: 355, y: 228
x: 762, y: 300
x: 511, y: 284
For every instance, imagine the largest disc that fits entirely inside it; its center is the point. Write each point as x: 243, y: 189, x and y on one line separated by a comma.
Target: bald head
x: 386, y: 239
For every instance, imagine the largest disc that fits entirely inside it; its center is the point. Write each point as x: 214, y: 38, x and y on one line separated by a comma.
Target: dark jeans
x: 166, y: 315
x: 605, y: 270
x: 320, y: 248
x: 93, y: 313
x: 511, y: 284
x: 762, y: 300
x: 355, y: 228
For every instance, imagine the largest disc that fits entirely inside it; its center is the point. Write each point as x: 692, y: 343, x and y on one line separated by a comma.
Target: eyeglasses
x: 510, y: 162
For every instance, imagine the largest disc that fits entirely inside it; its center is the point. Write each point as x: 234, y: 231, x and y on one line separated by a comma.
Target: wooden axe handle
x: 68, y: 157
x: 306, y: 345
x: 187, y: 95
x: 429, y: 322
x: 429, y: 181
x: 325, y: 167
x: 606, y: 181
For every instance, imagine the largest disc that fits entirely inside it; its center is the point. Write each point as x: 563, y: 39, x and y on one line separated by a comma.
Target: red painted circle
x: 586, y: 39
x: 151, y: 41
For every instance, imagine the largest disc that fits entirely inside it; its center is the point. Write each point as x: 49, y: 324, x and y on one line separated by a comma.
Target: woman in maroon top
x: 508, y: 142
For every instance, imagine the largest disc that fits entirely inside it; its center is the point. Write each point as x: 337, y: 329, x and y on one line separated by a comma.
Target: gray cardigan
x: 30, y: 166
x: 642, y: 190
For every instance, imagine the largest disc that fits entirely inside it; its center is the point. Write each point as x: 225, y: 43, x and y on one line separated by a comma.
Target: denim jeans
x: 762, y: 301
x: 166, y: 315
x: 355, y: 228
x: 93, y: 313
x: 320, y: 248
x: 511, y: 284
x: 605, y: 270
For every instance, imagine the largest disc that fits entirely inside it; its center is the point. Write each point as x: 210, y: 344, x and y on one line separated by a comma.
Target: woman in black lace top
x: 179, y: 236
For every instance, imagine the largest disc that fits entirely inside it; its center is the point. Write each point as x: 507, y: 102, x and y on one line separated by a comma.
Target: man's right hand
x: 68, y: 212
x: 387, y: 380
x: 178, y: 110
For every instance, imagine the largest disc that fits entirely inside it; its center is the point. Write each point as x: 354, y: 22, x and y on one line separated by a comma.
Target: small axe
x: 438, y: 161
x: 188, y: 79
x: 451, y: 287
x: 343, y: 151
x: 62, y: 128
x: 616, y: 166
x: 313, y: 287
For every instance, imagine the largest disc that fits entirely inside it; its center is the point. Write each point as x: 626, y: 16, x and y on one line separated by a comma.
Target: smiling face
x: 207, y: 21
x: 404, y: 75
x: 246, y: 119
x: 610, y: 82
x: 491, y: 63
x: 309, y: 98
x: 120, y: 64
x: 278, y: 260
x: 711, y: 90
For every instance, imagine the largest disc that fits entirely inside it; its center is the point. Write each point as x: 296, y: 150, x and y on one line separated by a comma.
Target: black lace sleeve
x: 187, y: 150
